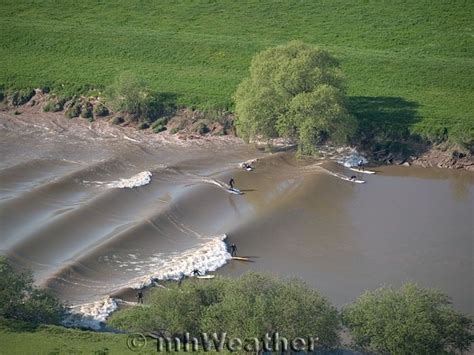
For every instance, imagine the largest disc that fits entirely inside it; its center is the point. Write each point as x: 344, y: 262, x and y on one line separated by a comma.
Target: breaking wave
x: 207, y: 257
x: 137, y: 180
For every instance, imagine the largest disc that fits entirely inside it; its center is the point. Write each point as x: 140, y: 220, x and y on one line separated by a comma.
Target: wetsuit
x: 231, y: 183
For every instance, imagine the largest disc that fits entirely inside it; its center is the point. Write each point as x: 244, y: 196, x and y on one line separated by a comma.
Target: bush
x: 118, y: 120
x: 201, y: 128
x: 143, y: 125
x: 100, y: 110
x: 174, y: 130
x: 132, y: 95
x: 21, y: 97
x: 86, y: 111
x: 20, y: 300
x: 295, y: 91
x: 74, y: 109
x: 55, y: 104
x: 411, y: 320
x: 250, y: 306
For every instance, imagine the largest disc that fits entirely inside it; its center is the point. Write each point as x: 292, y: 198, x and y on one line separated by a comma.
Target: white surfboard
x: 235, y: 191
x: 356, y: 181
x: 207, y: 277
x: 241, y: 258
x: 362, y: 171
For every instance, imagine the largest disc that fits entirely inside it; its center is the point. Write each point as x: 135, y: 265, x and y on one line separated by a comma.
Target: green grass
x: 416, y: 52
x: 20, y: 338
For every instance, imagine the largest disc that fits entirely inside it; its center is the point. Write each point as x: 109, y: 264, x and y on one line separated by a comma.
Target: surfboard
x: 356, y: 181
x: 235, y: 191
x: 205, y: 276
x: 249, y: 168
x: 362, y: 171
x: 241, y: 258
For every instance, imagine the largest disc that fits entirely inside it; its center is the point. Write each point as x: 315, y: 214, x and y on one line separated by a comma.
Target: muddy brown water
x: 84, y: 239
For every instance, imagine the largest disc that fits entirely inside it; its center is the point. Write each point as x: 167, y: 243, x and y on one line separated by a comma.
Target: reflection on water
x: 84, y: 239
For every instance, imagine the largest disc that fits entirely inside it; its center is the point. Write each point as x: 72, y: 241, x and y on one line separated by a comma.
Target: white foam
x: 138, y: 180
x: 206, y: 257
x: 352, y: 159
x: 91, y: 315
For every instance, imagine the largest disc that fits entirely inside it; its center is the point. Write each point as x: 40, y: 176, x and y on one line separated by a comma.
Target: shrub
x: 73, y: 109
x: 250, y: 306
x: 55, y: 104
x: 143, y: 125
x: 86, y: 110
x: 118, y: 120
x: 21, y: 97
x: 201, y: 128
x: 411, y: 320
x: 296, y: 91
x: 159, y: 128
x: 20, y: 300
x: 174, y: 130
x: 132, y: 95
x: 100, y: 110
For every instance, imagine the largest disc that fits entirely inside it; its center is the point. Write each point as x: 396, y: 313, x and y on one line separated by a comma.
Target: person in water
x: 231, y: 183
x: 360, y: 165
x: 196, y: 272
x: 233, y: 250
x: 140, y: 297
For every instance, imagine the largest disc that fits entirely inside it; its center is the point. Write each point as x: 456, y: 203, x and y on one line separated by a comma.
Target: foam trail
x: 352, y: 159
x: 209, y: 256
x: 137, y: 180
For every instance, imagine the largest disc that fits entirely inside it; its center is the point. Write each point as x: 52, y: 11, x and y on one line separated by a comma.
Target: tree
x: 409, y: 320
x: 19, y: 299
x: 295, y: 90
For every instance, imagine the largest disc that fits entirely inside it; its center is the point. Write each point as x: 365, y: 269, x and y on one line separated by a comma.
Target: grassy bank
x: 20, y: 338
x: 410, y: 61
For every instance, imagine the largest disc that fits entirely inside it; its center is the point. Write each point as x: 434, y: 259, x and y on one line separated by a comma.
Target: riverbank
x: 190, y: 125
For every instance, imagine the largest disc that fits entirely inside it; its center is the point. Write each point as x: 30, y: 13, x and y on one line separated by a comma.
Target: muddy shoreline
x: 189, y: 125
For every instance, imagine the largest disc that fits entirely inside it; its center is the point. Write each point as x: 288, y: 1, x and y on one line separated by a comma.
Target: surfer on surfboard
x: 196, y: 272
x: 360, y: 165
x: 231, y: 183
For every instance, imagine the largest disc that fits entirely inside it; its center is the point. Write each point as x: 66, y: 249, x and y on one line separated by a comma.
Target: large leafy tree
x: 295, y: 90
x: 411, y: 320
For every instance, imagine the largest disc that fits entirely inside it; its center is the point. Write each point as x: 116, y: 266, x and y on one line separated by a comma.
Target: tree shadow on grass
x: 385, y: 126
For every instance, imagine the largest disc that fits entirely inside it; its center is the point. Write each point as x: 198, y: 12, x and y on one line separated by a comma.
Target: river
x: 94, y: 209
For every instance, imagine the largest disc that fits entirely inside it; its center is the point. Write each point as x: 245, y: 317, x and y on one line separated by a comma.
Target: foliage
x: 118, y: 120
x: 249, y: 306
x: 408, y: 320
x: 297, y: 91
x: 20, y: 300
x: 73, y: 109
x: 143, y: 125
x: 131, y: 94
x: 21, y: 97
x: 100, y: 110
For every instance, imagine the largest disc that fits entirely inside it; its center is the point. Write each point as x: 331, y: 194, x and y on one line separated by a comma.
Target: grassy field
x: 19, y: 338
x: 411, y: 61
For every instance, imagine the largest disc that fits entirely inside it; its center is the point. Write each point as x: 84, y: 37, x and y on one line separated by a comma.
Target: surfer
x: 360, y: 165
x: 353, y: 178
x: 140, y: 297
x: 196, y: 272
x: 231, y: 183
x: 233, y: 249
